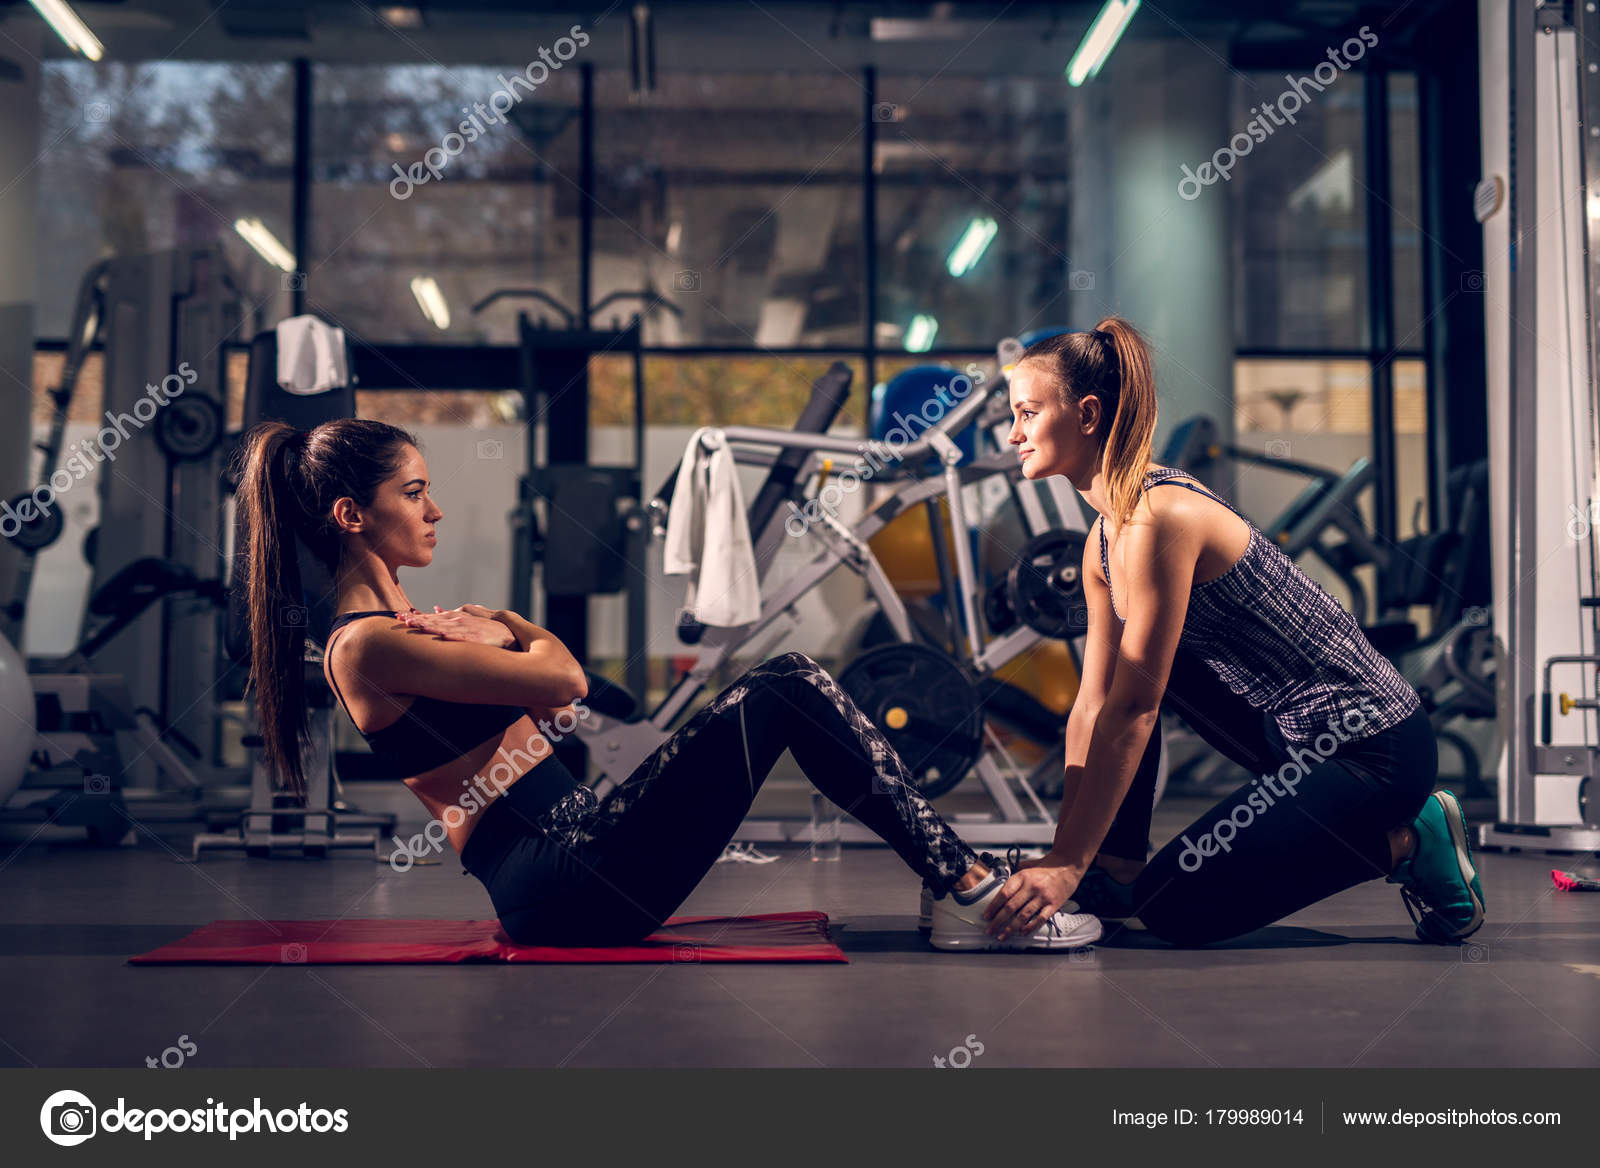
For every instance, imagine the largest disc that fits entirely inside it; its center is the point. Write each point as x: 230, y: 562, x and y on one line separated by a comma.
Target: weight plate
x: 37, y: 533
x: 997, y: 610
x: 1044, y: 587
x: 925, y: 705
x: 189, y: 426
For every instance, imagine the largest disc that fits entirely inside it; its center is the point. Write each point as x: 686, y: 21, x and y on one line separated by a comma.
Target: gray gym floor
x: 1341, y: 984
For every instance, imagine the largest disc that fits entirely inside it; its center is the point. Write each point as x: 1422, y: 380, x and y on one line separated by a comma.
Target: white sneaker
x: 958, y: 923
x: 1014, y: 856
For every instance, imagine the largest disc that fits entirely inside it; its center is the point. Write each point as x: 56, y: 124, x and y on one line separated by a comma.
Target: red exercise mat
x: 795, y: 936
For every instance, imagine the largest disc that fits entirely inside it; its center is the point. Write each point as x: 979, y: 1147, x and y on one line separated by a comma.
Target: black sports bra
x: 432, y: 731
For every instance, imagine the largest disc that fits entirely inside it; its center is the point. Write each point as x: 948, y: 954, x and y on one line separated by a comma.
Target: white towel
x: 708, y: 538
x: 311, y: 356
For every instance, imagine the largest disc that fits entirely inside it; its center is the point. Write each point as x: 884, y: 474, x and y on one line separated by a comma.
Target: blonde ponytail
x: 1133, y: 415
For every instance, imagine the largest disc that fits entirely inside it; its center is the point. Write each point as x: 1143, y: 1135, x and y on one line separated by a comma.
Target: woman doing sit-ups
x: 448, y: 699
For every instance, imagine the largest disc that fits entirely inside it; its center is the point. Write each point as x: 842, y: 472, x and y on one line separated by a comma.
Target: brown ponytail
x: 288, y: 483
x: 1111, y: 362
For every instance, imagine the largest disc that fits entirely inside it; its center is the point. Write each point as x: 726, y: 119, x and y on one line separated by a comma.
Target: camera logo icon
x: 686, y: 281
x: 885, y: 111
x: 1277, y: 448
x: 294, y: 616
x: 1081, y: 281
x: 294, y: 281
x: 294, y: 954
x: 67, y: 1118
x: 1474, y: 955
x: 686, y: 954
x: 96, y: 784
x: 491, y: 448
x: 1473, y: 281
x: 96, y: 112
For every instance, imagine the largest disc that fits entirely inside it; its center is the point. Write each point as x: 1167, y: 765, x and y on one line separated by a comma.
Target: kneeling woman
x: 1191, y: 605
x: 451, y: 698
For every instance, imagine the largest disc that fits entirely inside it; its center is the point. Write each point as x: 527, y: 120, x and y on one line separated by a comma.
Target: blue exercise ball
x: 909, y: 403
x: 1034, y: 336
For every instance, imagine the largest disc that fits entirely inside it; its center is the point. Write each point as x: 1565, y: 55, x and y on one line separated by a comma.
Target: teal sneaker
x: 1438, y: 881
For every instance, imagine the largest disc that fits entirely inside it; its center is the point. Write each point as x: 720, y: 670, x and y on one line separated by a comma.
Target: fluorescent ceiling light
x: 431, y: 301
x: 969, y: 249
x: 920, y: 333
x: 255, y: 233
x: 893, y: 29
x: 401, y: 16
x: 60, y: 16
x: 674, y: 236
x: 1101, y: 38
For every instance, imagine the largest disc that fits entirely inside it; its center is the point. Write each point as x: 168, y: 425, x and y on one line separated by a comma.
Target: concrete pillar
x: 1161, y: 261
x: 19, y: 201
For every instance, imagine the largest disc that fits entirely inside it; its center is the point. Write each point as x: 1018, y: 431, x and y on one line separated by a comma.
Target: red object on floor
x: 794, y: 936
x: 1572, y: 882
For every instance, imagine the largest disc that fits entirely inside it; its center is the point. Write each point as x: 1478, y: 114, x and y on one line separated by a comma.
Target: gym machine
x: 1542, y: 250
x: 591, y: 539
x: 114, y: 711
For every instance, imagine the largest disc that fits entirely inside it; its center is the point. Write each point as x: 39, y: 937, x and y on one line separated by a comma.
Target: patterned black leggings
x: 610, y: 872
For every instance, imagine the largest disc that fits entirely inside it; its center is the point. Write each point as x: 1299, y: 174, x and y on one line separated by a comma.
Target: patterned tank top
x: 1277, y: 639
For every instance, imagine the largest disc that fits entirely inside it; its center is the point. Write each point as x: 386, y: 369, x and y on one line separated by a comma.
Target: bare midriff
x: 475, y: 779
x: 470, y: 781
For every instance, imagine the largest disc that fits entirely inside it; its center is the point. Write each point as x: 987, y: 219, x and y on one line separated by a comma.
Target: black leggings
x: 607, y: 873
x: 1280, y: 842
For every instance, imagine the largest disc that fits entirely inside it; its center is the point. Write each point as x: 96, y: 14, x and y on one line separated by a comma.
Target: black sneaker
x: 1107, y: 898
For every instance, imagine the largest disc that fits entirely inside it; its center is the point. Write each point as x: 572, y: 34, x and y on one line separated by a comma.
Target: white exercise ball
x: 16, y: 720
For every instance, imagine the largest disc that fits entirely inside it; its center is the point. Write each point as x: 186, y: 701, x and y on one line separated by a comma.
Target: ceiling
x: 1022, y: 36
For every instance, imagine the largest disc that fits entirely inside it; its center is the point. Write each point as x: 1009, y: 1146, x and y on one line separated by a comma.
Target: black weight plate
x: 926, y: 707
x: 37, y: 533
x: 189, y: 426
x: 997, y: 610
x: 1045, y: 588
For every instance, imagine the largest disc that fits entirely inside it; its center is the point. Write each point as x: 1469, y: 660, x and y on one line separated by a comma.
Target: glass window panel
x: 1406, y: 214
x: 1411, y: 446
x: 1300, y: 246
x: 755, y: 390
x: 502, y: 212
x: 141, y: 157
x: 1318, y: 412
x: 971, y: 179
x: 737, y: 197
